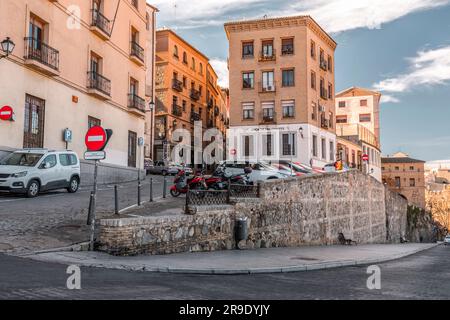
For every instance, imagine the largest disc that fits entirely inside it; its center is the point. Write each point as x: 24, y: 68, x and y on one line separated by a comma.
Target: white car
x: 260, y: 170
x: 447, y: 240
x: 31, y: 171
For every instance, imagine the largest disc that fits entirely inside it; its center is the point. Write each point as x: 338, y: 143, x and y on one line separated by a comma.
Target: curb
x: 212, y: 271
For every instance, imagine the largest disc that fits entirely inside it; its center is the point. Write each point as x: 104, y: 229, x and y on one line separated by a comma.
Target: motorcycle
x: 220, y: 181
x: 183, y: 183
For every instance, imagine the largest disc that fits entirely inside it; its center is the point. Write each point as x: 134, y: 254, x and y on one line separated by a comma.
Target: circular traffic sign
x: 95, y: 139
x: 6, y: 113
x: 365, y: 157
x: 233, y: 152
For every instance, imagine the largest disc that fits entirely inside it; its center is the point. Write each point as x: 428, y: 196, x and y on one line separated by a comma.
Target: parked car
x: 447, y: 240
x: 31, y: 171
x: 159, y: 167
x: 260, y: 170
x: 297, y: 167
x: 287, y: 169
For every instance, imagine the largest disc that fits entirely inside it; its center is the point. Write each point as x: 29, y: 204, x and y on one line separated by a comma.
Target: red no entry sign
x: 233, y: 152
x: 95, y: 138
x: 365, y: 157
x: 6, y: 113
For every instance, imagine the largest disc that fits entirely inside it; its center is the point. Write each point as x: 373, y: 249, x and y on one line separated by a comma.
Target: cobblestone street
x: 58, y: 218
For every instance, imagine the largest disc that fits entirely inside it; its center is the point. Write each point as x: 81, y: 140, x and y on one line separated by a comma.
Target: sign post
x: 96, y: 140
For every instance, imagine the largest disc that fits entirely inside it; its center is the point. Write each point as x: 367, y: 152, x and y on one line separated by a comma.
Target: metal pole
x: 139, y: 193
x: 94, y: 200
x: 116, y: 200
x: 164, y: 187
x: 186, y: 207
x: 151, y: 189
x: 91, y: 197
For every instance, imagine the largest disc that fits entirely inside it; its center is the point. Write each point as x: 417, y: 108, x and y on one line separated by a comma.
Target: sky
x: 398, y: 47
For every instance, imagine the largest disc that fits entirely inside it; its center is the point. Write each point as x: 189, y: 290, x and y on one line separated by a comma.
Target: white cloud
x: 333, y: 15
x: 431, y: 67
x: 389, y: 99
x: 221, y: 68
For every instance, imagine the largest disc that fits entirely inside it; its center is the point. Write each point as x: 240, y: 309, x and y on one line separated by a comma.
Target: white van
x: 31, y: 171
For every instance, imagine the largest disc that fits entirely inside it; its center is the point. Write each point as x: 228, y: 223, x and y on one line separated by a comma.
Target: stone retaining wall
x: 292, y: 212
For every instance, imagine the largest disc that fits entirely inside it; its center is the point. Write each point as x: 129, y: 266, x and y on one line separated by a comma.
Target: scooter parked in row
x: 183, y: 183
x: 220, y: 181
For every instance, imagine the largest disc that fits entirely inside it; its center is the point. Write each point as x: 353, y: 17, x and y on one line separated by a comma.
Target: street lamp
x: 7, y: 47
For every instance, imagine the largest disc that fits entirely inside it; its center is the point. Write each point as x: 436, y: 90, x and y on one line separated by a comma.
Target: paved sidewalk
x: 274, y: 260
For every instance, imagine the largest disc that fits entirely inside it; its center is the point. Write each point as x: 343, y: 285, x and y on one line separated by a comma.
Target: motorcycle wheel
x: 175, y: 193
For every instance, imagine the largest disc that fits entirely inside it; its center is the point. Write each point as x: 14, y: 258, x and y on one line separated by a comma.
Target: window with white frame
x: 267, y: 145
x: 288, y: 144
x: 288, y: 107
x: 247, y: 146
x: 324, y: 149
x: 248, y: 109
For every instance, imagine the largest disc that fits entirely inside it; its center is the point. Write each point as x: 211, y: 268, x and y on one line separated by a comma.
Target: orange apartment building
x: 76, y: 63
x: 358, y: 129
x: 406, y: 176
x: 282, y: 80
x: 186, y: 91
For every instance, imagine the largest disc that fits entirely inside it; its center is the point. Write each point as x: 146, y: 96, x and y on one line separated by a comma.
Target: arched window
x: 185, y: 57
x: 175, y: 51
x: 193, y: 64
x: 201, y: 68
x: 147, y: 21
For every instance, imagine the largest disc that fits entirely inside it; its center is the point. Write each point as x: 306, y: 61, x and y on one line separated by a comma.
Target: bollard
x: 164, y: 187
x: 91, y: 202
x: 151, y: 189
x: 116, y: 200
x: 139, y: 193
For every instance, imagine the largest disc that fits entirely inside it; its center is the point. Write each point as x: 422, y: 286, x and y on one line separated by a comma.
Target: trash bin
x: 241, y: 229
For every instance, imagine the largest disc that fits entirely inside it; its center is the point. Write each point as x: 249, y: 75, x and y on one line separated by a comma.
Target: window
x: 331, y: 150
x: 175, y: 52
x: 184, y: 82
x: 185, y: 60
x: 268, y: 109
x: 330, y: 64
x: 288, y: 78
x: 313, y: 80
x: 135, y: 3
x: 330, y: 120
x: 93, y: 122
x: 287, y: 46
x: 288, y: 144
x: 184, y: 105
x: 397, y: 168
x: 248, y: 110
x: 134, y: 85
x: 412, y: 182
x: 201, y: 68
x: 147, y: 22
x: 314, y: 145
x: 365, y: 117
x: 313, y: 49
x: 363, y: 103
x: 288, y: 107
x: 341, y: 104
x: 411, y: 168
x: 341, y: 119
x: 330, y: 91
x: 247, y: 149
x: 67, y: 160
x: 51, y: 160
x: 397, y: 182
x: 267, y: 143
x: 324, y: 149
x: 314, y: 111
x: 34, y: 122
x: 193, y: 64
x: 247, y: 50
x: 268, y: 83
x: 267, y: 49
x: 248, y: 80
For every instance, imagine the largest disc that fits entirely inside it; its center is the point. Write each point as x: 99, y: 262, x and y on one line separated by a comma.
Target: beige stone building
x: 77, y: 63
x: 186, y: 92
x: 406, y: 176
x: 282, y: 80
x: 358, y: 121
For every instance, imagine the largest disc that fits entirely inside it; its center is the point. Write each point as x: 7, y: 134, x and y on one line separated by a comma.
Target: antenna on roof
x: 265, y: 16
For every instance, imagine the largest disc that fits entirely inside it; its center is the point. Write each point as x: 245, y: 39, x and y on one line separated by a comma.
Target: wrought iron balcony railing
x: 177, y: 85
x: 267, y: 56
x: 137, y: 51
x: 39, y: 51
x: 101, y: 22
x: 99, y: 83
x: 177, y: 110
x: 195, y: 94
x: 136, y: 102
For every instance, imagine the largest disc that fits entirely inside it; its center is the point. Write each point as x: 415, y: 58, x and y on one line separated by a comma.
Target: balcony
x: 195, y: 95
x: 100, y: 25
x: 357, y: 133
x: 41, y: 57
x: 136, y: 104
x: 265, y: 87
x: 137, y: 53
x: 287, y: 50
x: 268, y: 116
x: 324, y: 122
x: 177, y: 110
x: 177, y: 85
x: 99, y: 86
x: 265, y: 56
x: 323, y: 65
x: 195, y: 117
